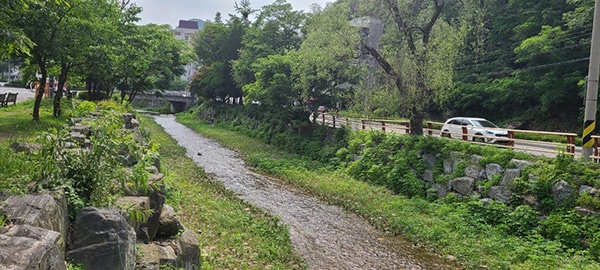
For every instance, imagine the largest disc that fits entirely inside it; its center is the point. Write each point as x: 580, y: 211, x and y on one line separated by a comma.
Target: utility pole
x: 591, y: 96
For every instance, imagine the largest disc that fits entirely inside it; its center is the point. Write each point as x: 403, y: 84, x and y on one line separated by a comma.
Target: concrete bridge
x: 180, y: 101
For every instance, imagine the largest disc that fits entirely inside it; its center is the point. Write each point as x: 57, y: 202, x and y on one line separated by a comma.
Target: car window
x: 485, y: 123
x: 465, y: 122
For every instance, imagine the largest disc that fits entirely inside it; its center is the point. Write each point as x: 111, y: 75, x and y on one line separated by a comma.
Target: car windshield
x: 484, y: 123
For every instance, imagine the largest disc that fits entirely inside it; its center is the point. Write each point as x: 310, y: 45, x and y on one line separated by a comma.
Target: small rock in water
x: 199, y: 154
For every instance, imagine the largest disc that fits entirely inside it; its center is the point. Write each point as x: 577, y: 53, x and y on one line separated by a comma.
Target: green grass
x: 232, y: 233
x: 439, y: 226
x: 16, y: 121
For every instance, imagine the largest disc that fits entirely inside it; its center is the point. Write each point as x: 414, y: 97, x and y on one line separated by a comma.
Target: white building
x: 184, y: 31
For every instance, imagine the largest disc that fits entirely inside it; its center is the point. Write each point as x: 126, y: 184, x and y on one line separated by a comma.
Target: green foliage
x: 588, y: 201
x: 3, y: 220
x: 563, y: 228
x: 91, y: 175
x: 139, y: 215
x: 85, y: 108
x: 522, y: 221
x: 273, y: 85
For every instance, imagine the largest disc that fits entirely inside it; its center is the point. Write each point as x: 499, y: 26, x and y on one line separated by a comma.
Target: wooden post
x: 571, y: 144
x: 464, y: 132
x: 383, y: 126
x: 363, y: 124
x: 323, y: 118
x: 333, y: 121
x: 407, y: 125
x: 595, y: 146
x: 430, y: 128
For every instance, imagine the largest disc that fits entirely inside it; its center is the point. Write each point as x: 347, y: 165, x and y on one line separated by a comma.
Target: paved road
x: 24, y: 94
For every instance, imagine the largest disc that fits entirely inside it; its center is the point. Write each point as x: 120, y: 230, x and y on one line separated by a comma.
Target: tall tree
x: 216, y: 46
x: 418, y: 51
x: 41, y: 23
x: 92, y: 24
x: 326, y: 59
x: 277, y: 29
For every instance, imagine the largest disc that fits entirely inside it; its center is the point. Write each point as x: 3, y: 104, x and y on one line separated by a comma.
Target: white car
x: 478, y: 130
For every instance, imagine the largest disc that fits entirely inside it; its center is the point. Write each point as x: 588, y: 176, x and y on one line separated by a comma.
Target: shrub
x: 562, y: 228
x: 85, y: 108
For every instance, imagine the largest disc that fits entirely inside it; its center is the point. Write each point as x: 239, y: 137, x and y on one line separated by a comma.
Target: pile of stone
x: 38, y: 236
x: 474, y: 175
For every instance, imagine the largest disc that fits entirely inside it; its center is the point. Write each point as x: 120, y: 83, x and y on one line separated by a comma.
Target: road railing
x: 596, y: 149
x: 434, y: 129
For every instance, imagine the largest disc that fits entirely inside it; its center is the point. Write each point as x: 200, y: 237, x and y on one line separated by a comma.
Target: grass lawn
x: 16, y: 120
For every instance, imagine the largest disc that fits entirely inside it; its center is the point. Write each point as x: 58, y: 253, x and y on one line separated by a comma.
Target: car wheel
x: 478, y: 139
x: 445, y: 134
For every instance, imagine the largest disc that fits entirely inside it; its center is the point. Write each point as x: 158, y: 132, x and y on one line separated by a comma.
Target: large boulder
x: 476, y: 159
x: 429, y: 161
x: 102, y: 239
x: 169, y: 224
x: 46, y: 210
x: 520, y: 164
x: 440, y: 190
x: 28, y: 247
x: 474, y: 171
x: 492, y: 169
x: 448, y: 166
x: 509, y: 176
x: 27, y: 147
x: 562, y: 191
x: 156, y: 195
x: 463, y: 185
x: 189, y: 251
x: 428, y: 175
x: 500, y: 193
x: 134, y: 203
x: 154, y: 255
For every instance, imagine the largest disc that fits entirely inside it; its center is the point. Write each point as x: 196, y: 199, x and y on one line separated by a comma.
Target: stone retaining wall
x: 37, y: 231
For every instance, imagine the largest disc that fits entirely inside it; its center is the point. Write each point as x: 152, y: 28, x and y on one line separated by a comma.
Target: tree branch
x: 439, y: 6
x: 402, y: 26
x: 387, y: 67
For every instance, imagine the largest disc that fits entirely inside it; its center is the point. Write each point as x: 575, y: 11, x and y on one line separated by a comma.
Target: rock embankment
x: 37, y: 234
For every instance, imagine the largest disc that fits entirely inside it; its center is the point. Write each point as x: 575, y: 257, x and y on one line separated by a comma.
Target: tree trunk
x: 64, y: 71
x: 40, y: 92
x: 416, y: 123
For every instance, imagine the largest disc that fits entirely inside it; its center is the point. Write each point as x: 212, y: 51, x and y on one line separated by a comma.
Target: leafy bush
x: 85, y: 108
x: 90, y: 176
x: 85, y: 95
x: 562, y: 228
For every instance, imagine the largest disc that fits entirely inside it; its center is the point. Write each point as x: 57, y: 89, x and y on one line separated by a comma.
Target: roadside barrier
x: 510, y: 141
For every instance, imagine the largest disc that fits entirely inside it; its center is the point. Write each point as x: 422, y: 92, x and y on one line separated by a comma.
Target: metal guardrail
x: 400, y: 127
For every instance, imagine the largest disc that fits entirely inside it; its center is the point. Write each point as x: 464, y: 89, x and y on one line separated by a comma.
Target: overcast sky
x: 171, y: 11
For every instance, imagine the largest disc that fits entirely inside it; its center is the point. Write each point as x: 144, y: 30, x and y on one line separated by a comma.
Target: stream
x: 325, y: 235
